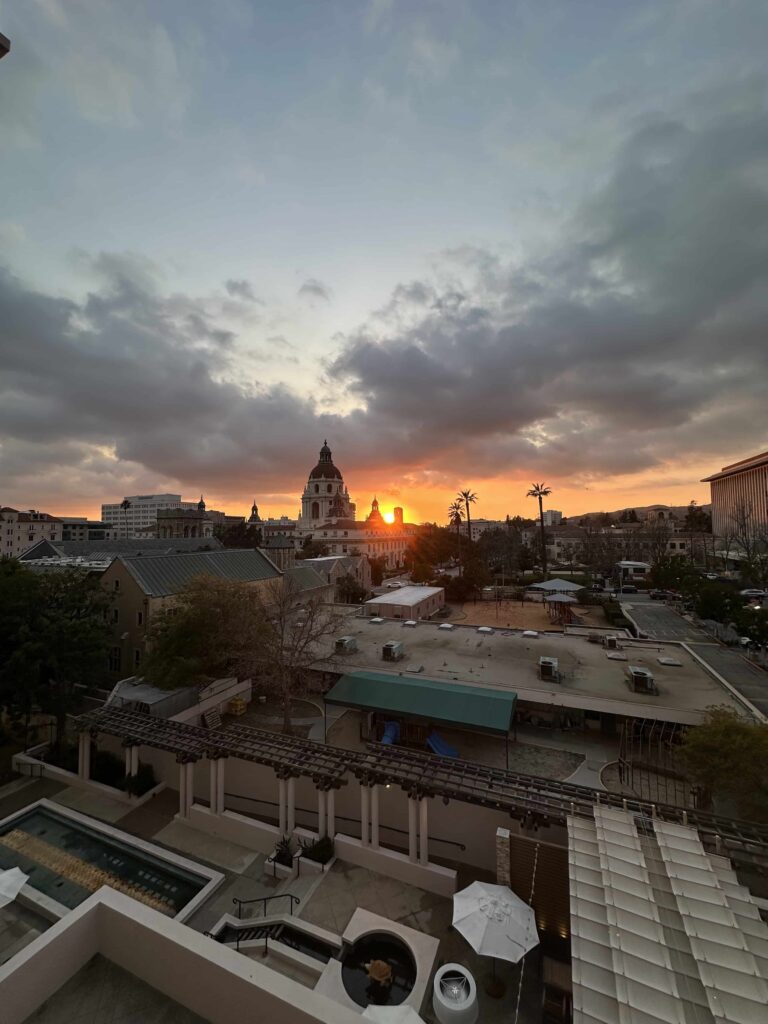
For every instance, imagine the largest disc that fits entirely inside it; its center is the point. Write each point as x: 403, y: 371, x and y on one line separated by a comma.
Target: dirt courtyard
x: 513, y: 615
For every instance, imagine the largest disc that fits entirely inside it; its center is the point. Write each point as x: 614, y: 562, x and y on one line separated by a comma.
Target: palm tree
x: 468, y: 497
x: 541, y: 491
x: 455, y: 515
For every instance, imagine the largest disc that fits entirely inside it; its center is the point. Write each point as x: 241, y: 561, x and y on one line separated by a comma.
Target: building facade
x: 552, y: 517
x: 325, y: 496
x: 184, y: 522
x: 20, y: 531
x: 739, y: 489
x: 136, y: 514
x: 81, y: 529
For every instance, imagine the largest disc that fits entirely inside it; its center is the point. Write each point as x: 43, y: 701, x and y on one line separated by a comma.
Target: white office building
x: 136, y: 515
x: 552, y: 517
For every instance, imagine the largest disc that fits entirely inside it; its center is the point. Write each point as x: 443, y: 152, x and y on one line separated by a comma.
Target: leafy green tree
x: 240, y: 535
x: 60, y: 639
x: 312, y: 549
x: 540, y: 492
x: 421, y: 573
x: 378, y: 564
x: 727, y: 757
x: 349, y: 591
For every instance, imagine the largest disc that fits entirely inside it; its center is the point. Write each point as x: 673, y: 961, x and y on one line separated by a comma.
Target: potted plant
x: 317, y: 853
x: 283, y: 858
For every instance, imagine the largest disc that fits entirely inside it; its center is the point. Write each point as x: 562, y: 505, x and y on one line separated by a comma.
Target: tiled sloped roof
x: 103, y: 549
x: 305, y: 577
x: 161, y: 575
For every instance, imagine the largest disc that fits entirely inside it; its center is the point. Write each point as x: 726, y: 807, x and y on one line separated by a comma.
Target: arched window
x: 315, y: 509
x: 330, y: 488
x: 317, y: 488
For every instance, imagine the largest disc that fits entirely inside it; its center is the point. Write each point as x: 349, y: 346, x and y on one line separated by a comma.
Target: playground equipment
x: 439, y: 746
x: 391, y: 733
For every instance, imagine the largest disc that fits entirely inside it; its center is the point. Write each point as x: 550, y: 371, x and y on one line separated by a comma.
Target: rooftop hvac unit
x: 346, y: 644
x: 393, y: 651
x: 612, y: 643
x: 548, y: 669
x: 640, y: 679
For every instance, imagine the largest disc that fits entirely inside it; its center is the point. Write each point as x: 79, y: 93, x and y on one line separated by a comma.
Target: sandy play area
x: 513, y: 615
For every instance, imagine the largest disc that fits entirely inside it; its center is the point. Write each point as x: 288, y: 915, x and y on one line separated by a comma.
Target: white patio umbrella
x: 401, y: 1014
x: 494, y: 921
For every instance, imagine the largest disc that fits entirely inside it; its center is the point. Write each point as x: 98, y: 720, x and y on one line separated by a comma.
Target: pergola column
x: 331, y: 812
x: 190, y: 786
x: 375, y: 817
x: 424, y: 831
x: 322, y: 827
x: 365, y: 813
x: 220, y: 776
x: 182, y: 790
x: 282, y: 804
x: 413, y: 824
x: 84, y: 755
x: 213, y: 766
x: 291, y: 808
x: 131, y: 760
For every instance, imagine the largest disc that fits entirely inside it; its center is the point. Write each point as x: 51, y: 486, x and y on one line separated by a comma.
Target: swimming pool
x: 69, y: 856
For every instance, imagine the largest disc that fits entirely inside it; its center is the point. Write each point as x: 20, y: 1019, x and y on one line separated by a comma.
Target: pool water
x: 66, y: 860
x: 378, y: 946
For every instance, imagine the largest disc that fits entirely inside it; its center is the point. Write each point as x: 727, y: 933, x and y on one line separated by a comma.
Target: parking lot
x: 659, y: 621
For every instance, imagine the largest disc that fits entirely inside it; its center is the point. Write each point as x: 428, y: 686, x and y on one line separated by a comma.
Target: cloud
x: 241, y: 289
x: 636, y: 343
x: 312, y: 290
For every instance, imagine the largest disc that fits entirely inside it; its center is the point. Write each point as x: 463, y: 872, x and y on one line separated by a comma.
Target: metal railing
x: 264, y: 900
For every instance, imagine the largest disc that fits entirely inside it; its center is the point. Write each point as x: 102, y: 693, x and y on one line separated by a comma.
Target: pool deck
x: 328, y: 900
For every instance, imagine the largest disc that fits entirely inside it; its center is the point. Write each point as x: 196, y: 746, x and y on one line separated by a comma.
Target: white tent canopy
x: 494, y: 921
x: 560, y: 599
x: 556, y: 586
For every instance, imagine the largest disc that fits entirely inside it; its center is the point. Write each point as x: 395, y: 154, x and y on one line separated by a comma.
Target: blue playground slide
x: 438, y: 745
x: 391, y: 733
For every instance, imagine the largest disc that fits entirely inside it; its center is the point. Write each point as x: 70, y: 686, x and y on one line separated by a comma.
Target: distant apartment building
x: 742, y: 486
x: 81, y: 529
x: 481, y: 526
x: 21, y: 530
x: 136, y: 515
x: 552, y: 517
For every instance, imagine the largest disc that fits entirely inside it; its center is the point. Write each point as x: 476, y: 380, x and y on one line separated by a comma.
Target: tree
x: 421, y: 573
x: 455, y: 515
x: 727, y: 757
x: 218, y: 628
x: 751, y: 536
x: 378, y: 565
x: 349, y: 591
x: 60, y: 639
x: 239, y: 535
x: 541, y: 491
x: 629, y: 515
x: 312, y: 549
x: 469, y: 498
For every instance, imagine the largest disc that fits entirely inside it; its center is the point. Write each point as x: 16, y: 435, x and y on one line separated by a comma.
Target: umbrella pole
x: 495, y: 987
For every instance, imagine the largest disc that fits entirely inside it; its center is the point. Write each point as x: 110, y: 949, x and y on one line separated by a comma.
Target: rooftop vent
x: 345, y: 644
x: 393, y: 650
x: 411, y: 623
x: 640, y: 679
x: 548, y: 669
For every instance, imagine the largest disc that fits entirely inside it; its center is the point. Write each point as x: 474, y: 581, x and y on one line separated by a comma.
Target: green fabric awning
x: 448, y: 703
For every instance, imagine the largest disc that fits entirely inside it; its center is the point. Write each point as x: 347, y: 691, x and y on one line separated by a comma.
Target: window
x: 330, y: 488
x: 139, y: 618
x: 116, y: 585
x: 136, y: 657
x: 115, y: 659
x: 317, y: 488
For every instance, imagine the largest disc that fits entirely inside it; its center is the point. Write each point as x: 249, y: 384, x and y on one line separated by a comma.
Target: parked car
x: 394, y: 584
x: 752, y: 592
x: 629, y: 588
x: 597, y: 588
x: 657, y: 595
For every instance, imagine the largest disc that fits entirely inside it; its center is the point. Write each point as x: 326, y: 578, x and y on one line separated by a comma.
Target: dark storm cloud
x: 640, y: 339
x: 313, y: 289
x: 241, y: 289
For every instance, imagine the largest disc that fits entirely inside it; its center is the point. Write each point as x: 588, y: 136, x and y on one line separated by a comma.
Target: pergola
x: 534, y: 801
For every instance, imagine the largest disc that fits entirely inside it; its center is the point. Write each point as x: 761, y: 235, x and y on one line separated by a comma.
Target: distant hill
x: 642, y: 512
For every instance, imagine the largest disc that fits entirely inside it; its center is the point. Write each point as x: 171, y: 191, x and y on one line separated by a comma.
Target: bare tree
x: 297, y: 632
x: 656, y: 535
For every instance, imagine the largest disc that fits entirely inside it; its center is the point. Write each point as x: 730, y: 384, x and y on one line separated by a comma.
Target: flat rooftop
x: 405, y: 595
x: 590, y: 679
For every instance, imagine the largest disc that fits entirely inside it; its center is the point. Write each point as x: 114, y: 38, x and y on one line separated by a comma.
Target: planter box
x: 307, y: 866
x: 273, y: 867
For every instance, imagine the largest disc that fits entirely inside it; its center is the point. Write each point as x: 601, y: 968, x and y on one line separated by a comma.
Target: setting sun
x: 389, y: 517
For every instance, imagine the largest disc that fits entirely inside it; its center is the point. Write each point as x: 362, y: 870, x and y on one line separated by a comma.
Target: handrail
x: 341, y: 817
x: 295, y: 900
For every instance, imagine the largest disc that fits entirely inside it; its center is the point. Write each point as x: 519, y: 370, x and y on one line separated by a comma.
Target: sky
x: 473, y: 243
